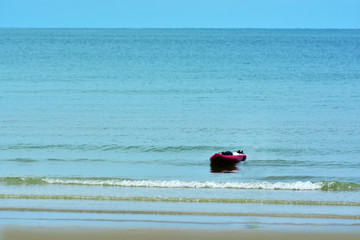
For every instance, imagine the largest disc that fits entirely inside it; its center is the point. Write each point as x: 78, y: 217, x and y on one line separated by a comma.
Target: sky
x: 180, y: 13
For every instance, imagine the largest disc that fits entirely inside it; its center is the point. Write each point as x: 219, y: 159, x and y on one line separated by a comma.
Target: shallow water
x: 123, y: 114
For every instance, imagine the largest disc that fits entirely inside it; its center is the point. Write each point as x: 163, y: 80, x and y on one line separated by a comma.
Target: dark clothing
x: 227, y: 153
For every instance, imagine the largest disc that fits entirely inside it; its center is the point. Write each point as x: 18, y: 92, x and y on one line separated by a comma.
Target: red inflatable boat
x: 220, y: 159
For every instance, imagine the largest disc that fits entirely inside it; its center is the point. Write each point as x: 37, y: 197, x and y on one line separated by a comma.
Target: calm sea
x: 123, y: 122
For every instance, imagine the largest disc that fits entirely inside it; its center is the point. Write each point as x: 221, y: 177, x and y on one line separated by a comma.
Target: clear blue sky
x: 181, y: 13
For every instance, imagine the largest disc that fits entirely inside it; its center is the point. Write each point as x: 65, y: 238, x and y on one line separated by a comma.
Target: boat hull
x: 219, y: 159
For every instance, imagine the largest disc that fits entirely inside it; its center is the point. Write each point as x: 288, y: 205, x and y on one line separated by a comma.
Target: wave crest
x: 118, y: 182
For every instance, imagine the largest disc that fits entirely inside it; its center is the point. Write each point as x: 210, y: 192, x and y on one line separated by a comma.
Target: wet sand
x: 162, y: 234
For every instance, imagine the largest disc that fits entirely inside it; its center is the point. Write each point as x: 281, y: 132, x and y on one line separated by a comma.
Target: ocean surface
x: 115, y: 127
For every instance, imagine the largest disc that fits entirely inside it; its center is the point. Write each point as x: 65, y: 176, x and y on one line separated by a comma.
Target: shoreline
x: 40, y: 233
x: 183, y: 213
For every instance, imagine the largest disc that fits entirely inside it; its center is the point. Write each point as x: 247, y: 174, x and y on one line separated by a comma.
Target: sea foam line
x: 192, y: 184
x: 298, y: 185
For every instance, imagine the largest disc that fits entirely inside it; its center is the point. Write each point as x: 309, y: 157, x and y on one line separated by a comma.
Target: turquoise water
x: 133, y: 116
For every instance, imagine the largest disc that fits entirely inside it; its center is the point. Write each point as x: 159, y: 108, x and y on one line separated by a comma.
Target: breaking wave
x: 298, y: 185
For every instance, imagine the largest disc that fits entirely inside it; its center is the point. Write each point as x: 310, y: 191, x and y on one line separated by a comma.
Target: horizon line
x: 189, y: 28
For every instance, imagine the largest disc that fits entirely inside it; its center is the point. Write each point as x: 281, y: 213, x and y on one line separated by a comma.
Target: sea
x: 115, y: 128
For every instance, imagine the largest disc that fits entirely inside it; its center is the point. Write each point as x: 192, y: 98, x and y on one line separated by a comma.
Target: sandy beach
x: 160, y: 234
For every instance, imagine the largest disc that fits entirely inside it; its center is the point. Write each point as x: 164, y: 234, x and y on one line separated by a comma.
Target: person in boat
x: 229, y: 153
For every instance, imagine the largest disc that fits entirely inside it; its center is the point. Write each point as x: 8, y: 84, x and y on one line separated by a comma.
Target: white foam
x: 191, y: 184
